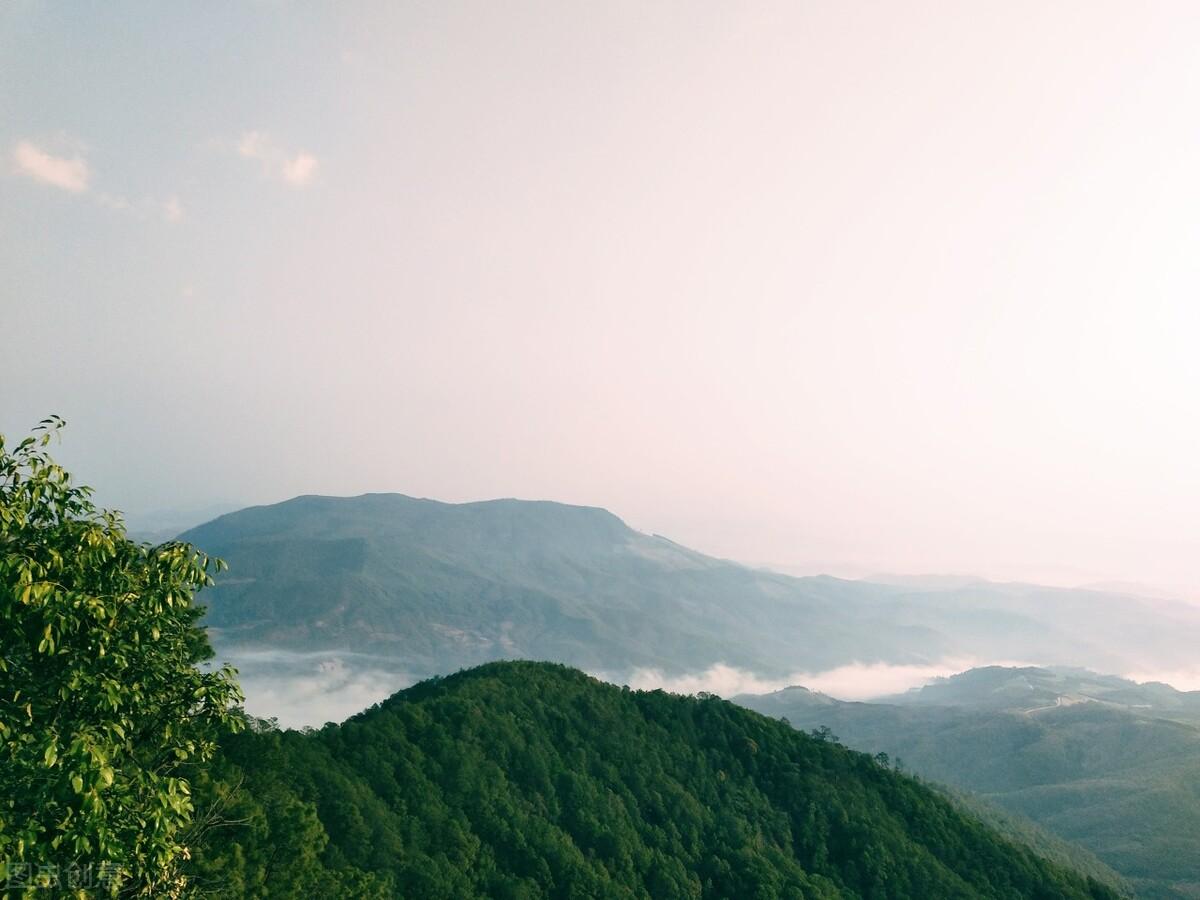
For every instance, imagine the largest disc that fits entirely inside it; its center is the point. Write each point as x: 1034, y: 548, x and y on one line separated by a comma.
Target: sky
x: 905, y: 287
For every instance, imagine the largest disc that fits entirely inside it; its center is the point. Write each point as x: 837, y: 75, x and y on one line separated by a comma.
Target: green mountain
x: 1033, y: 688
x: 1101, y: 761
x: 428, y: 587
x: 531, y: 780
x: 1023, y: 830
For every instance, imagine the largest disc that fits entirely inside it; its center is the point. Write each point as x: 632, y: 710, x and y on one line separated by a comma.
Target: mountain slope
x: 1098, y: 760
x: 1032, y: 688
x: 1043, y: 842
x: 533, y: 780
x: 431, y: 587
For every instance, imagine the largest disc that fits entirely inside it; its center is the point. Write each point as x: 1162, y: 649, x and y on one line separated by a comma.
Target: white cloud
x: 294, y: 168
x: 69, y: 174
x: 73, y: 174
x: 722, y: 680
x: 300, y: 169
x: 860, y: 681
x: 146, y: 208
x: 253, y: 145
x: 311, y: 688
x: 857, y: 681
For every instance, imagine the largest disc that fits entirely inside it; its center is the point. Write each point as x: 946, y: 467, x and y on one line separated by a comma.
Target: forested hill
x: 1032, y: 688
x: 530, y: 780
x: 431, y: 587
x: 1102, y: 762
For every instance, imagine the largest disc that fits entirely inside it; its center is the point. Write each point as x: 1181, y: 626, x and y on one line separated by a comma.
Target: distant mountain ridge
x: 1032, y: 688
x: 1101, y: 761
x: 437, y: 586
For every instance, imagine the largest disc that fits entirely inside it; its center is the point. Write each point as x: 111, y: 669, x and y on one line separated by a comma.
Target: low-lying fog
x: 300, y: 689
x: 859, y: 681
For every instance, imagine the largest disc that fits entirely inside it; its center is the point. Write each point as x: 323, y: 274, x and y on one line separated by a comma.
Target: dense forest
x: 528, y: 780
x: 1102, y: 762
x: 127, y: 767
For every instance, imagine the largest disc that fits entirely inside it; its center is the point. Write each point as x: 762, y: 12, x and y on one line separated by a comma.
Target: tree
x: 102, y: 706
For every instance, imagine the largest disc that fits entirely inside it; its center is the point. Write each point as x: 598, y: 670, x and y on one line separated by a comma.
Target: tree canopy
x: 103, y: 709
x: 532, y: 780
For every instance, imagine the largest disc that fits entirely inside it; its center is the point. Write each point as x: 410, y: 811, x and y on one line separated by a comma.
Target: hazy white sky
x: 906, y: 285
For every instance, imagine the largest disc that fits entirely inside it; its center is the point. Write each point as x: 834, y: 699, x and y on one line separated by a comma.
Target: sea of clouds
x: 299, y: 689
x: 856, y: 681
x: 310, y: 689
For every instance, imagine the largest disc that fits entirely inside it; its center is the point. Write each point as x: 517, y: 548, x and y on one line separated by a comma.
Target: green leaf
x: 115, y: 619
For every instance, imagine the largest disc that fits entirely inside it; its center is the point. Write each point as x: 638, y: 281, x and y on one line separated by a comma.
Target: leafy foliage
x: 531, y: 780
x: 102, y: 708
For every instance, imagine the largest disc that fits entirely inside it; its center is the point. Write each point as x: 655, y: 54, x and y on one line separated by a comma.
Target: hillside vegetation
x: 1100, y: 761
x: 528, y: 780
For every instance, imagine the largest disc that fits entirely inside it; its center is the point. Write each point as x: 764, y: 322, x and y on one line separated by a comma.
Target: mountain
x: 1023, y: 830
x: 1101, y: 761
x: 1029, y: 689
x: 431, y: 587
x: 533, y: 780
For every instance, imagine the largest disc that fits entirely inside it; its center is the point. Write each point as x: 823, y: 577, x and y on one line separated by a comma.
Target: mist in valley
x: 308, y: 689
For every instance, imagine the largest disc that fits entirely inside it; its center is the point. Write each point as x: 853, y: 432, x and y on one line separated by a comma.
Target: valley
x: 332, y: 604
x: 433, y: 587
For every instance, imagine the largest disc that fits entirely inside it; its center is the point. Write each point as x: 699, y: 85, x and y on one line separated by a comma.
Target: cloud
x: 253, y: 145
x: 295, y: 168
x: 723, y: 680
x: 300, y: 170
x: 860, y: 681
x: 73, y: 174
x: 146, y: 209
x: 69, y: 174
x: 302, y: 689
x: 857, y: 681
